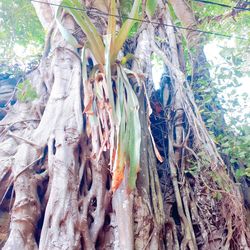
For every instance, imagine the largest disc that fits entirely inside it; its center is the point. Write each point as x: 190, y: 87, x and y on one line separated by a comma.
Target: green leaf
x: 239, y: 173
x: 65, y: 33
x: 107, y: 41
x: 26, y: 92
x: 112, y: 23
x: 125, y: 29
x: 95, y: 41
x: 151, y: 6
x: 134, y: 127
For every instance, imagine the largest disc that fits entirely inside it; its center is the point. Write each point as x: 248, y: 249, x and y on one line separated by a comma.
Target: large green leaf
x: 128, y: 132
x: 95, y: 41
x: 65, y: 33
x: 125, y: 29
x: 122, y: 158
x: 107, y: 41
x: 134, y: 131
x: 151, y: 6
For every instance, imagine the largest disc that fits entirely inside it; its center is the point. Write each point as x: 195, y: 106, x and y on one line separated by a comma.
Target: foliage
x: 221, y: 106
x: 233, y: 139
x: 222, y: 20
x: 126, y: 6
x: 95, y: 42
x: 236, y: 144
x: 219, y: 19
x: 23, y: 28
x: 151, y: 6
x: 19, y: 25
x: 26, y: 92
x: 123, y: 103
x: 219, y: 99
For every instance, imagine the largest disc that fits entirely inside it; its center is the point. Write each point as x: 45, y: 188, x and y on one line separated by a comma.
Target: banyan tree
x: 100, y: 159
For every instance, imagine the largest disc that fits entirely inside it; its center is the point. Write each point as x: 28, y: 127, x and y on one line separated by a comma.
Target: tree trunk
x: 56, y: 170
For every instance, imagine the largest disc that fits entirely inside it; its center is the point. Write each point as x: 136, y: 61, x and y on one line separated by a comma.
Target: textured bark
x: 55, y: 171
